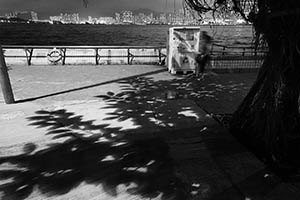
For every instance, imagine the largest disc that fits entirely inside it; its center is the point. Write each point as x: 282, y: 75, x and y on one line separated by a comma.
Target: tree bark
x: 267, y: 120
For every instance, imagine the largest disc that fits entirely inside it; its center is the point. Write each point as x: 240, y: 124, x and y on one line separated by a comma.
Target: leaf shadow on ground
x: 106, y: 156
x: 94, y: 158
x: 143, y: 99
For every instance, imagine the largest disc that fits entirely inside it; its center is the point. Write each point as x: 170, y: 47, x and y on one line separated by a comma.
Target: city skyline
x: 178, y: 17
x: 97, y: 8
x: 125, y: 17
x: 128, y: 17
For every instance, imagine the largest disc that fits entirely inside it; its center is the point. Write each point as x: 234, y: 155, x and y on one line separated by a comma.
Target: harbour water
x: 112, y: 35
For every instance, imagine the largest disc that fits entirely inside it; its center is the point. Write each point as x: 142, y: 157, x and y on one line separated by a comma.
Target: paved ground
x: 126, y: 132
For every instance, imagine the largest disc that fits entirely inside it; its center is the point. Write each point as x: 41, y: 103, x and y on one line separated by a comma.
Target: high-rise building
x: 118, y: 18
x: 66, y: 18
x: 163, y: 19
x: 25, y: 15
x: 106, y: 20
x: 34, y: 16
x: 127, y: 17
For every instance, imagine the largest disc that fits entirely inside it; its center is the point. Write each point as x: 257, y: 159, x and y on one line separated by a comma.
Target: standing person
x: 203, y: 57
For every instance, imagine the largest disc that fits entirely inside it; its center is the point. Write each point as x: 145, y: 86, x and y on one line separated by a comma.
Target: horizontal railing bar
x: 125, y: 56
x: 237, y: 57
x: 110, y: 47
x: 87, y: 56
x: 235, y: 46
x: 79, y: 47
x: 10, y: 56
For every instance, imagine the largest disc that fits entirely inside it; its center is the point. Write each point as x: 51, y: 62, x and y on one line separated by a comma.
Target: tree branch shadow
x: 98, y: 154
x: 94, y: 159
x: 144, y: 99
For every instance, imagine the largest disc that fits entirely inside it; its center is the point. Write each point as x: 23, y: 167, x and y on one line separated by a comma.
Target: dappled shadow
x: 145, y: 160
x: 150, y: 103
x: 160, y: 105
x: 90, y: 154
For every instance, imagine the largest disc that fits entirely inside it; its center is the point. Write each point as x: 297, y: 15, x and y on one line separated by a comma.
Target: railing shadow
x: 88, y: 87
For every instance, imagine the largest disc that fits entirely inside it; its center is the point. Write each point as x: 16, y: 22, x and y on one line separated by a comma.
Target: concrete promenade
x: 127, y: 132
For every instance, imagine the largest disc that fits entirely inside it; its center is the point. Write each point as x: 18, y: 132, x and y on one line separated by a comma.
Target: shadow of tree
x: 95, y: 159
x: 148, y: 101
x: 101, y: 155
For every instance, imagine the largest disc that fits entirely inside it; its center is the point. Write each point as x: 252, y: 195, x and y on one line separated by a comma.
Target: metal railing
x: 236, y: 58
x: 222, y: 50
x: 97, y: 56
x: 223, y: 57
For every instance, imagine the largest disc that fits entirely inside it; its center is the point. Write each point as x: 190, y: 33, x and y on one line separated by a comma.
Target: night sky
x: 96, y: 8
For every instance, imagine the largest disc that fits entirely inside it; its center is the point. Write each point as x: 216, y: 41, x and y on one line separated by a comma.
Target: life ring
x: 54, y: 56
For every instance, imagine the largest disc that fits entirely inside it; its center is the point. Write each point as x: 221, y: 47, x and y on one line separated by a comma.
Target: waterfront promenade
x: 127, y: 132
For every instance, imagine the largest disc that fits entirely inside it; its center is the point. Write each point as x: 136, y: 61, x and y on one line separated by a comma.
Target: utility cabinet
x: 182, y: 44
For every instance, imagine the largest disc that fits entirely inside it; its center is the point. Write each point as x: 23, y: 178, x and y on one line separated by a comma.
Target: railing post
x: 109, y: 56
x: 223, y: 53
x: 96, y: 53
x: 64, y: 50
x: 243, y: 51
x: 128, y: 56
x: 5, y: 81
x: 28, y: 57
x: 159, y: 55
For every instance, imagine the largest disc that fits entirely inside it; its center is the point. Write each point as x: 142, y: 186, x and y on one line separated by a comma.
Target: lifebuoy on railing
x: 54, y: 55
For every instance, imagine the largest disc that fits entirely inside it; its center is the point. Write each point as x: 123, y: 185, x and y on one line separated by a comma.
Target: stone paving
x: 86, y: 132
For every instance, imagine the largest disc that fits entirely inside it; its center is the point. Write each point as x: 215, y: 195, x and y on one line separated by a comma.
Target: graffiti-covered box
x: 183, y: 42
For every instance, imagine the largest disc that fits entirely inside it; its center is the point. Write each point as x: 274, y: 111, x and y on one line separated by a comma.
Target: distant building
x: 106, y: 20
x: 10, y: 15
x: 163, y: 19
x: 140, y: 19
x: 117, y: 18
x: 127, y: 17
x: 66, y: 18
x: 92, y: 20
x: 55, y: 18
x: 24, y: 15
x: 34, y: 16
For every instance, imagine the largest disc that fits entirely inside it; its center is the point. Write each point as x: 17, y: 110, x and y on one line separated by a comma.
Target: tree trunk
x: 267, y: 120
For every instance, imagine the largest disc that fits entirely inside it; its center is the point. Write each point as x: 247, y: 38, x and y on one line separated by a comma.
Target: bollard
x: 4, y: 81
